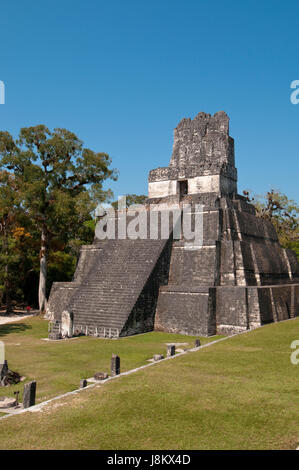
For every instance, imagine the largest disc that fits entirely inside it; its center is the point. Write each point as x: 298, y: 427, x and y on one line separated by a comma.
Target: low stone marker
x: 7, y: 402
x: 83, y: 383
x: 170, y: 350
x: 158, y: 357
x: 115, y: 365
x: 100, y: 376
x: 29, y: 394
x: 197, y: 343
x: 67, y: 324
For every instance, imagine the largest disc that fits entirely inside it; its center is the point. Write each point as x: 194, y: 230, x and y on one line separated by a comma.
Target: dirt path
x: 15, y: 317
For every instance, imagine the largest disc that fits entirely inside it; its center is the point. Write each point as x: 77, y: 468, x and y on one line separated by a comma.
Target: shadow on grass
x: 13, y: 328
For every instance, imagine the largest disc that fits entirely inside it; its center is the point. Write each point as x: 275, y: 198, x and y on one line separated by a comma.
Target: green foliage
x: 9, y: 235
x: 90, y: 224
x: 131, y: 199
x: 50, y: 184
x: 60, y: 179
x: 61, y: 267
x: 284, y: 214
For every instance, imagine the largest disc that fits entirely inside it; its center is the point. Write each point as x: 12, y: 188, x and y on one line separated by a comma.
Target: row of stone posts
x: 29, y: 393
x: 171, y: 349
x: 115, y: 370
x: 115, y: 363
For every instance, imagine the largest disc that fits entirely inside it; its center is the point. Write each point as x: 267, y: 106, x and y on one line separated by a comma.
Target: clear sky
x: 122, y: 74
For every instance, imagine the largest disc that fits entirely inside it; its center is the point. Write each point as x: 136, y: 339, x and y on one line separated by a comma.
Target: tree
x: 283, y: 213
x: 131, y: 199
x: 57, y: 176
x: 8, y: 222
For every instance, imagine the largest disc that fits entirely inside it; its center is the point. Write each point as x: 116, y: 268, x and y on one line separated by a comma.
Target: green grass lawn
x: 241, y: 393
x: 58, y: 366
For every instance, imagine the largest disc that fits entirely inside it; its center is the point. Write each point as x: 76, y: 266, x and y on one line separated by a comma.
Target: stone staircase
x: 109, y: 283
x: 54, y: 330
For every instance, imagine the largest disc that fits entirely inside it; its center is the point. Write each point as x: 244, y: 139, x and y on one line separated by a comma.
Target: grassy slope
x: 241, y: 393
x: 59, y: 366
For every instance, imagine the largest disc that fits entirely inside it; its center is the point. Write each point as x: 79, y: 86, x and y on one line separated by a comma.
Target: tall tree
x: 58, y: 175
x: 8, y: 222
x: 131, y: 199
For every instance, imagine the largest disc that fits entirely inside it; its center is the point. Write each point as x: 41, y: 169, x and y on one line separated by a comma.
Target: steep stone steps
x: 114, y: 275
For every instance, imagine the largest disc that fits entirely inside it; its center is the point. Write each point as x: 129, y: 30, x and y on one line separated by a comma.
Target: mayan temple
x: 237, y: 278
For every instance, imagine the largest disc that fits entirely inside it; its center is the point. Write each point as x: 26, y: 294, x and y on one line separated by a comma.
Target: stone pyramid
x: 237, y: 278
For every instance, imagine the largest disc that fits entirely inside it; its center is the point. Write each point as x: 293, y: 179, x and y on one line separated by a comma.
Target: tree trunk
x: 9, y: 308
x: 42, y: 299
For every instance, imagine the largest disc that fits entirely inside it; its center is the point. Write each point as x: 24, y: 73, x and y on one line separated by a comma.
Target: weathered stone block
x: 115, y: 365
x: 100, y: 376
x: 170, y: 350
x: 186, y: 312
x: 83, y: 383
x: 158, y: 357
x: 29, y: 394
x: 7, y: 402
x: 67, y: 324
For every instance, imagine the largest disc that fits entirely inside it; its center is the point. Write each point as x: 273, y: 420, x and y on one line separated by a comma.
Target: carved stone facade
x: 203, y: 154
x: 237, y: 278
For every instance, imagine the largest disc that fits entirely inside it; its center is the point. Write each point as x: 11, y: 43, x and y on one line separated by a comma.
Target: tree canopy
x: 131, y: 199
x: 59, y: 182
x: 283, y: 213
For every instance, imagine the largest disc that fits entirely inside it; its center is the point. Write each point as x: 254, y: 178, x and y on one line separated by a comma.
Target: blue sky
x: 122, y: 74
